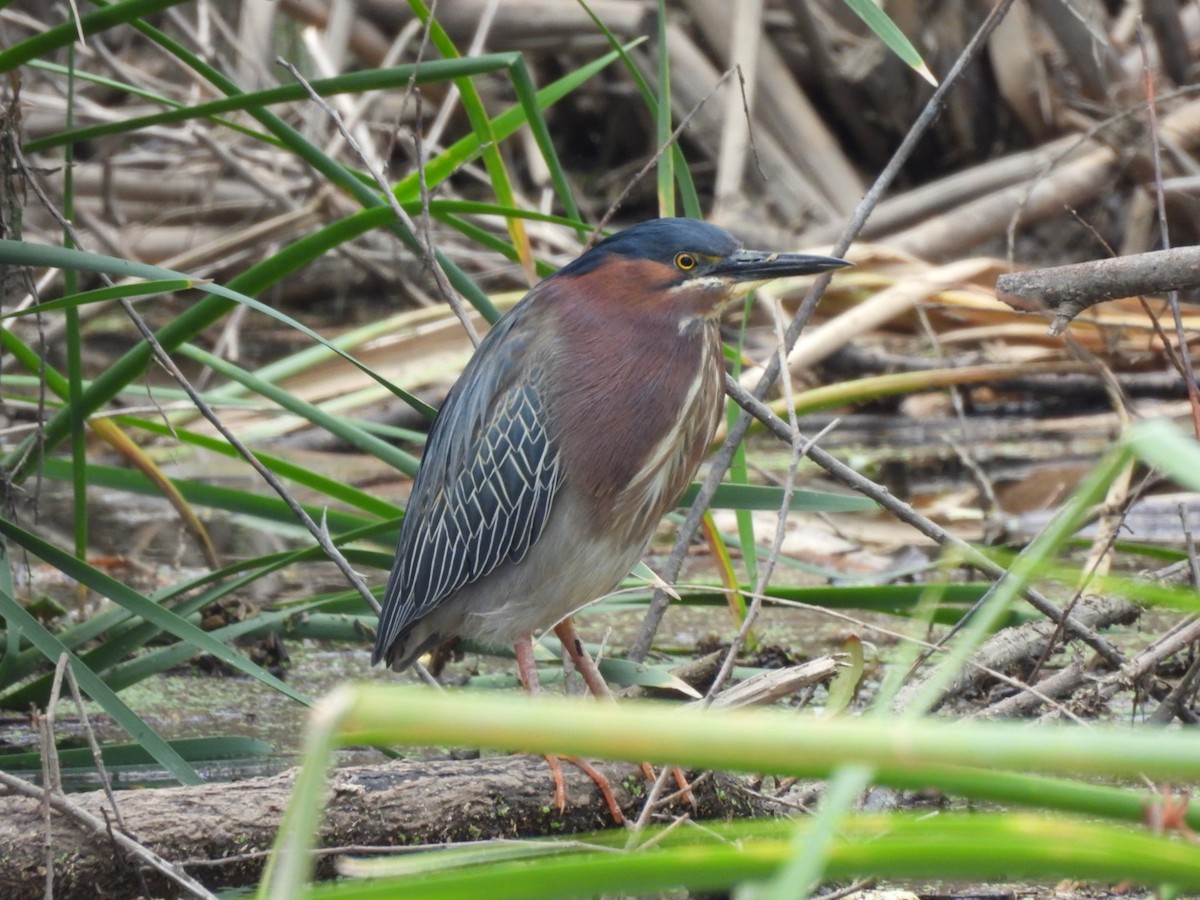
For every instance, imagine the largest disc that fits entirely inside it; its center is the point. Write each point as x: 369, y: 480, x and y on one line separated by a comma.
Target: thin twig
x: 94, y: 744
x: 97, y: 826
x: 429, y: 257
x: 1164, y: 234
x: 51, y: 776
x: 653, y: 160
x: 800, y: 449
x: 1169, y: 708
x: 797, y: 455
x: 425, y: 235
x: 1189, y: 544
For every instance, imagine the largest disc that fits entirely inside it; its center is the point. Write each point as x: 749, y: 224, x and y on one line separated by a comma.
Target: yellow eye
x: 685, y: 261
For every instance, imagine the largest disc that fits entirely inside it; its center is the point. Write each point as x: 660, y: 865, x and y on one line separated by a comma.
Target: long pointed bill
x: 750, y: 268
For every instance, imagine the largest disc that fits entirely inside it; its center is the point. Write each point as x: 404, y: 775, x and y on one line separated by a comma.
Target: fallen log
x: 220, y: 833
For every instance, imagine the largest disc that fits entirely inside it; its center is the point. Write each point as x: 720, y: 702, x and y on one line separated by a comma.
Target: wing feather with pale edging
x: 487, y: 480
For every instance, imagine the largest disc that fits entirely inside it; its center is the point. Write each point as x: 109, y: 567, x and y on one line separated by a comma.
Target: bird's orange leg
x: 527, y: 672
x: 584, y: 664
x: 573, y: 647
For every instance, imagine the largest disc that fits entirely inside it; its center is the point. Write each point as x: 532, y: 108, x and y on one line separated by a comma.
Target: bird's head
x: 684, y: 267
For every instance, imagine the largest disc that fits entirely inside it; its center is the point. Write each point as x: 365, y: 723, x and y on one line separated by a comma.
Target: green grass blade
x: 133, y: 725
x: 201, y: 749
x: 739, y: 471
x: 428, y: 72
x: 527, y: 95
x: 356, y: 437
x: 106, y: 294
x: 12, y: 632
x: 482, y: 126
x: 1160, y: 443
x: 914, y: 750
x: 766, y: 497
x: 683, y: 174
x: 722, y: 856
x: 65, y: 34
x: 785, y: 743
x: 665, y: 171
x: 885, y: 29
x: 159, y: 659
x: 213, y: 496
x: 136, y: 603
x: 812, y: 843
x: 314, y: 481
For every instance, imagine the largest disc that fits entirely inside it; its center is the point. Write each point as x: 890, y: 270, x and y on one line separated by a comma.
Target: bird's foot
x: 685, y: 789
x: 602, y: 782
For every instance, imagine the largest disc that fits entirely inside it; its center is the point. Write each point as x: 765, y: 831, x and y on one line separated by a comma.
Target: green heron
x: 576, y: 426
